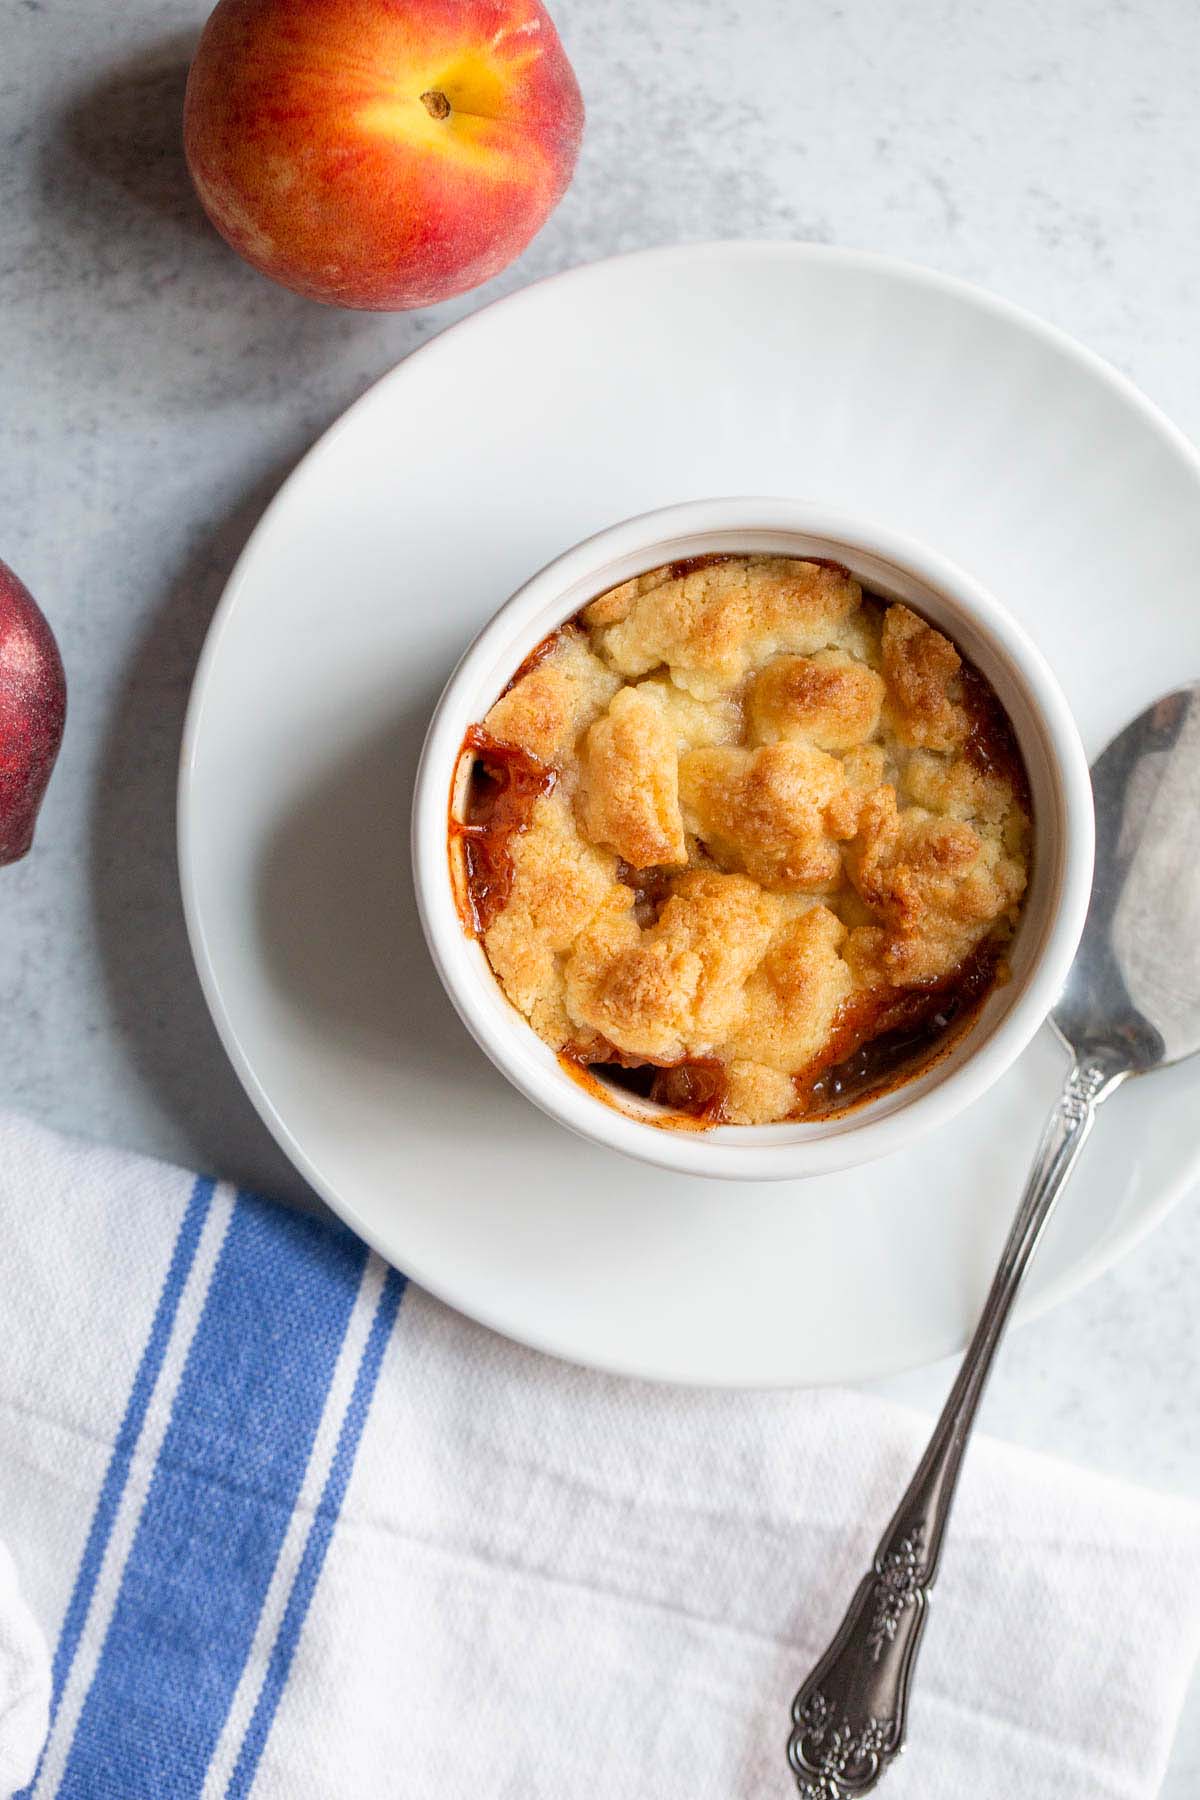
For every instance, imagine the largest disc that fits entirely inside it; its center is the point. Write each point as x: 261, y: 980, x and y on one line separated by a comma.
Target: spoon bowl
x: 1133, y: 993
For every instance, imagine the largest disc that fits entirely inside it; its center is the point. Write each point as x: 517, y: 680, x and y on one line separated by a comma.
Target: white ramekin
x: 1055, y: 905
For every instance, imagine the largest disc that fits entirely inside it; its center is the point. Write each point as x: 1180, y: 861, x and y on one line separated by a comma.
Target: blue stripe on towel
x: 249, y: 1402
x: 115, y: 1476
x: 317, y: 1542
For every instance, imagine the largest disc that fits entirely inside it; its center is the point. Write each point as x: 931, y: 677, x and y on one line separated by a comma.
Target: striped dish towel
x: 294, y: 1530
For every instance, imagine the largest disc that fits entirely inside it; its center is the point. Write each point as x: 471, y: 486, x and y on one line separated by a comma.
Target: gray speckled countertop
x: 153, y: 392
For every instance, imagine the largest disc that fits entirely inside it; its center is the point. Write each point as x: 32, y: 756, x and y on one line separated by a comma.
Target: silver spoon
x: 1131, y: 1005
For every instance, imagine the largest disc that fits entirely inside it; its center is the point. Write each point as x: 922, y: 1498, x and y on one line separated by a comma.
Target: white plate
x: 740, y: 368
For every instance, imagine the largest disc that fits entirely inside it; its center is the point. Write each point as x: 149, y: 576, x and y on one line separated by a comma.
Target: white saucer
x: 721, y: 369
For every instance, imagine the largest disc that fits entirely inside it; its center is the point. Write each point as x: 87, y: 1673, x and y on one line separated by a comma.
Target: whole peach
x: 380, y: 153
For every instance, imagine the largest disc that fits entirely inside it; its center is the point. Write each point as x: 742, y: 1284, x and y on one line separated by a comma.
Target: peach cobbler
x: 744, y: 839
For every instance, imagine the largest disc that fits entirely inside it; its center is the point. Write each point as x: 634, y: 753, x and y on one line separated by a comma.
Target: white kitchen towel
x: 24, y: 1682
x: 299, y: 1531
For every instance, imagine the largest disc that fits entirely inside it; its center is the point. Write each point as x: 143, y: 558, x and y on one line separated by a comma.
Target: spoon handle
x: 849, y: 1717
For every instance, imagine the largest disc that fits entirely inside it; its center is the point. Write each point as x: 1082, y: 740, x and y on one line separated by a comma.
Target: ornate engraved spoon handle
x: 850, y: 1715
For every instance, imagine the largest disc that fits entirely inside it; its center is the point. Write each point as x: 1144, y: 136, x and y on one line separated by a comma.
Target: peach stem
x: 436, y: 104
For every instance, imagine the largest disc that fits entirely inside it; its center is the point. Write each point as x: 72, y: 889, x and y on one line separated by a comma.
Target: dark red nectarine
x: 33, y: 706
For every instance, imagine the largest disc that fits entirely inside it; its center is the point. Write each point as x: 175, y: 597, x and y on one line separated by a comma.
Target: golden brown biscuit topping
x: 749, y: 839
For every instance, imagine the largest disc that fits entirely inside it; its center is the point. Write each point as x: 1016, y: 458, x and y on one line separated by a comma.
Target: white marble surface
x: 153, y: 392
